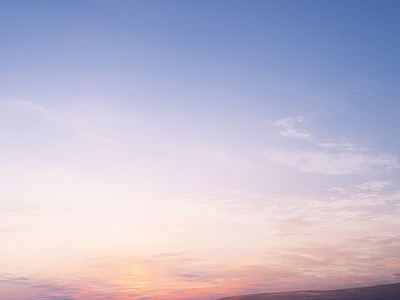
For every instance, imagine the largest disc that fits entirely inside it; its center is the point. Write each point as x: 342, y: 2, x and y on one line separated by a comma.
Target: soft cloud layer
x: 292, y: 242
x: 129, y: 240
x: 374, y: 186
x: 328, y: 163
x: 329, y: 158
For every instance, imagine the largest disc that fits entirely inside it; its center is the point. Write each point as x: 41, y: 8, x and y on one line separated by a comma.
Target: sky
x: 197, y: 149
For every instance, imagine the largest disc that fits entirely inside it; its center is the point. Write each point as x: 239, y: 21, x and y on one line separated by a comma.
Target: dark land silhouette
x: 380, y: 292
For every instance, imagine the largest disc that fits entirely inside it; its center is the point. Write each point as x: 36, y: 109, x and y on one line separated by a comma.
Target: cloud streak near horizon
x: 195, y: 150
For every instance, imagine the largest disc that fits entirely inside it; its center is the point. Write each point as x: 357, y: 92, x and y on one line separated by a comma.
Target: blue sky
x: 207, y: 148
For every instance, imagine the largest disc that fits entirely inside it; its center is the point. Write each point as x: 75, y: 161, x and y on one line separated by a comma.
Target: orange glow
x: 126, y: 278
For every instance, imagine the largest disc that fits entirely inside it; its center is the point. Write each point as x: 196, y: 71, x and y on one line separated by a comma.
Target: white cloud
x: 288, y: 130
x: 342, y: 163
x: 339, y: 146
x: 285, y: 122
x: 374, y: 186
x: 297, y: 134
x: 327, y: 157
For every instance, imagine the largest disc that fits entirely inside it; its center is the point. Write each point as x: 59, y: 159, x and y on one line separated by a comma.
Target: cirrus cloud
x: 328, y: 163
x: 327, y: 157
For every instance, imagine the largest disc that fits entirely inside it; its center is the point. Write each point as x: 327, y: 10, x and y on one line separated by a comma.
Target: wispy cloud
x: 328, y: 163
x: 341, y: 146
x: 32, y: 106
x: 327, y: 157
x: 6, y: 230
x: 80, y: 124
x: 18, y: 280
x: 288, y: 128
x: 374, y: 186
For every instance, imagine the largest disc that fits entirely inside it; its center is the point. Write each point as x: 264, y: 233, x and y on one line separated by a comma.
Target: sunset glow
x: 195, y: 150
